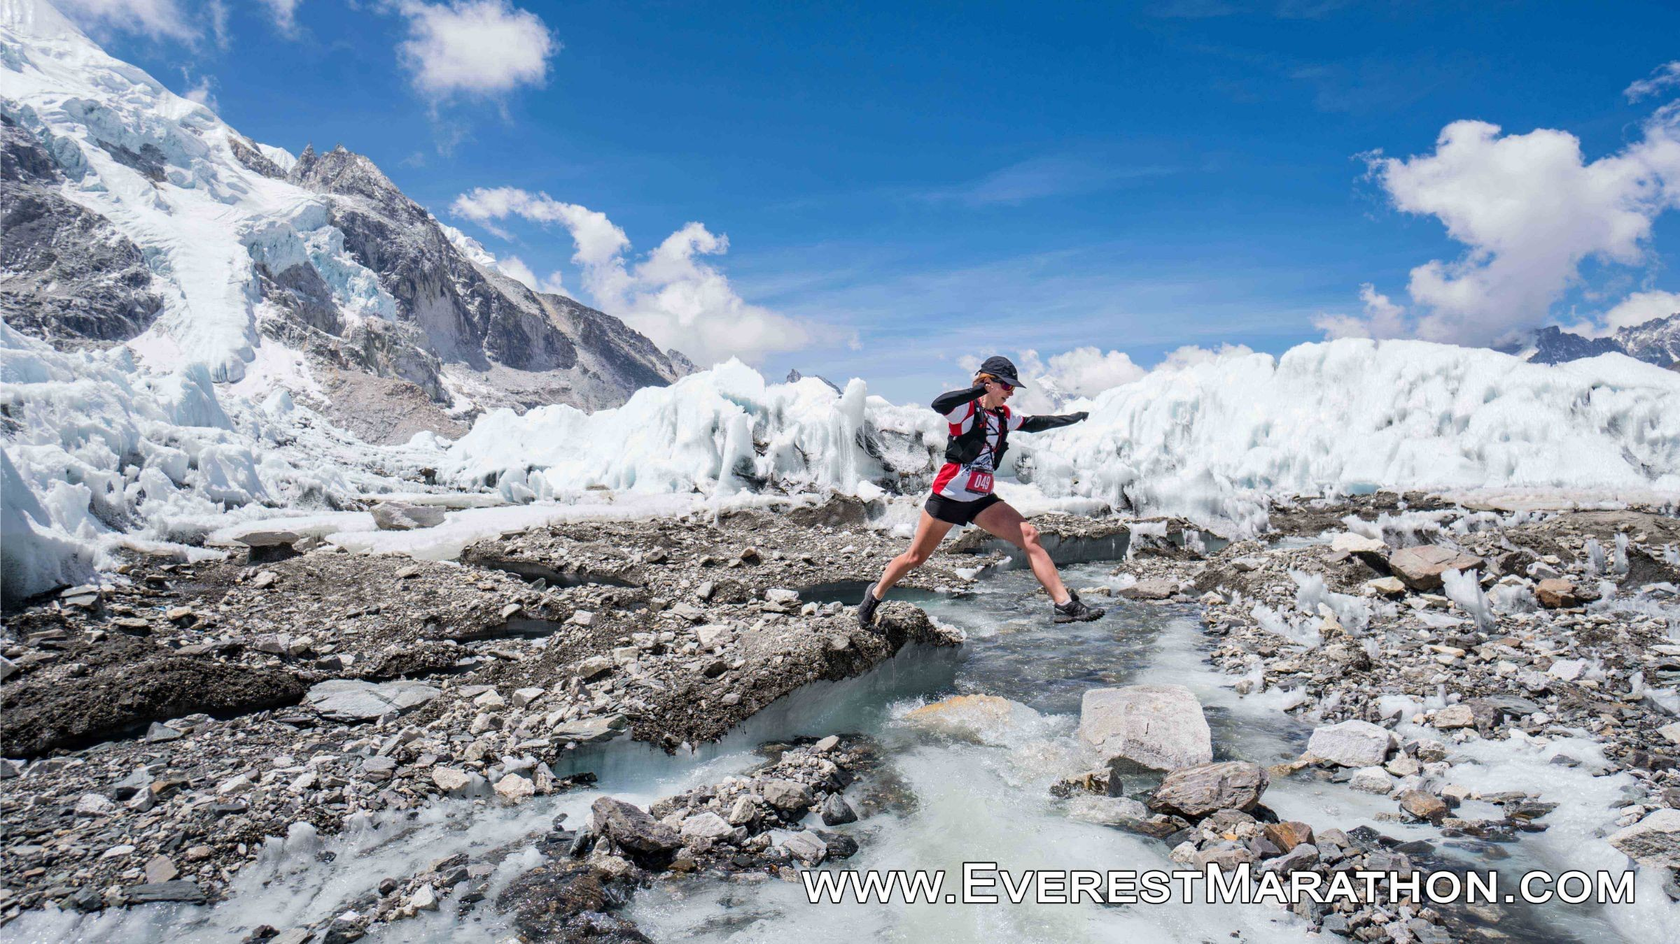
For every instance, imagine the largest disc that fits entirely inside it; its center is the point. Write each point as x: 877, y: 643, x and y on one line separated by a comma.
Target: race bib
x: 980, y: 482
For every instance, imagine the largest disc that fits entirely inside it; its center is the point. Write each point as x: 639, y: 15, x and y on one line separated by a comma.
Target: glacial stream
x: 971, y: 802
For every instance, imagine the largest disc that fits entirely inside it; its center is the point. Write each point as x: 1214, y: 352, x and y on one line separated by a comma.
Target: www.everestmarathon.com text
x: 983, y: 883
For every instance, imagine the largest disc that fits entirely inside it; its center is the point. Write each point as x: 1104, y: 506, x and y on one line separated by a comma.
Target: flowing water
x: 972, y: 802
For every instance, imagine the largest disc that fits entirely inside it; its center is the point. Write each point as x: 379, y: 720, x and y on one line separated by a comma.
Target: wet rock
x: 836, y: 811
x: 807, y: 847
x: 1158, y: 726
x: 1197, y: 791
x: 1153, y: 589
x: 515, y: 788
x: 181, y: 891
x: 1454, y: 716
x: 353, y: 700
x: 632, y: 828
x: 1420, y: 567
x: 1372, y: 780
x: 1423, y: 805
x: 1122, y: 812
x: 449, y: 779
x: 705, y: 826
x: 1558, y: 592
x: 1653, y: 841
x: 401, y: 516
x: 982, y: 719
x: 1288, y: 834
x: 1352, y: 744
x: 788, y: 796
x: 569, y: 901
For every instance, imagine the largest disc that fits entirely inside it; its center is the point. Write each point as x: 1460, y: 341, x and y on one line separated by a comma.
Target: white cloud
x: 515, y: 268
x: 1080, y: 373
x: 283, y: 13
x: 1382, y: 319
x: 474, y: 48
x: 1640, y: 307
x: 672, y: 295
x: 1530, y: 209
x: 158, y: 19
x: 1663, y: 76
x: 202, y: 91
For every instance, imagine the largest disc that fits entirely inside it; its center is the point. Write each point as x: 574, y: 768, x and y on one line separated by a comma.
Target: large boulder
x: 982, y: 719
x: 632, y: 828
x: 355, y: 700
x: 1421, y: 567
x: 1653, y: 841
x: 1352, y: 744
x: 1158, y: 726
x: 1197, y: 791
x: 401, y: 516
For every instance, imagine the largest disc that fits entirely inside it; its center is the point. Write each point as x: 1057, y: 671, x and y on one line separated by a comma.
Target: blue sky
x: 903, y: 185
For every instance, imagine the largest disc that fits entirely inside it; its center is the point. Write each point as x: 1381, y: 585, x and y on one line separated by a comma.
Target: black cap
x: 999, y: 366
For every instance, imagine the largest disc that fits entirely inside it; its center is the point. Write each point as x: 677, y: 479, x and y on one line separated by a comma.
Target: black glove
x: 1080, y: 416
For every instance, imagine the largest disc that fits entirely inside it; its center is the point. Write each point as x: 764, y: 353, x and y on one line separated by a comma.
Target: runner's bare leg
x: 1005, y: 522
x: 929, y: 532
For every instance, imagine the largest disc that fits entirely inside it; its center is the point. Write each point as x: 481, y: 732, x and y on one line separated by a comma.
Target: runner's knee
x: 914, y: 558
x: 1029, y: 536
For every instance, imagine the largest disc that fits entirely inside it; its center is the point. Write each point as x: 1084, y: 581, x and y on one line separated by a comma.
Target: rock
x: 379, y: 768
x: 833, y: 741
x: 1567, y: 670
x: 94, y: 804
x: 161, y: 732
x: 264, y: 580
x: 982, y: 719
x: 836, y: 811
x: 1350, y: 543
x: 1670, y: 732
x: 632, y: 828
x: 160, y: 869
x: 807, y: 847
x: 1303, y: 856
x: 1558, y: 592
x: 1158, y: 726
x: 594, y: 667
x: 1653, y: 841
x: 1454, y: 716
x: 523, y: 697
x: 707, y: 825
x: 1152, y: 589
x: 268, y: 538
x: 789, y: 796
x: 582, y: 618
x: 1424, y: 805
x: 449, y: 779
x: 1387, y: 586
x: 1372, y: 780
x: 188, y: 892
x: 1122, y: 812
x: 490, y: 701
x: 713, y: 635
x: 1420, y: 567
x: 402, y: 516
x: 182, y: 615
x: 515, y: 788
x: 423, y: 899
x: 1352, y: 744
x: 10, y: 768
x: 743, y: 812
x: 1287, y: 834
x: 354, y: 700
x: 589, y: 730
x: 781, y: 597
x: 1197, y: 791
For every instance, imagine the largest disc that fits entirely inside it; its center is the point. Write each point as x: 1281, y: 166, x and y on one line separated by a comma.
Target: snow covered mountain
x: 1655, y: 342
x: 137, y: 217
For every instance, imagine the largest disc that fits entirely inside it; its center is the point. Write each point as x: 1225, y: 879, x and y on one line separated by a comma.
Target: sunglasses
x: 1008, y: 387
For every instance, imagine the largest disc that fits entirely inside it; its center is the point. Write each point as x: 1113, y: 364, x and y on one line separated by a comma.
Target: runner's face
x: 1000, y: 390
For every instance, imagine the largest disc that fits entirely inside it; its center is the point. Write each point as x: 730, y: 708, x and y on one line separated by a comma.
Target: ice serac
x: 135, y: 216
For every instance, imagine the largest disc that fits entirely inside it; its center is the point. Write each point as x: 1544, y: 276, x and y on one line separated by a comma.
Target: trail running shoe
x: 866, y: 609
x: 1074, y: 611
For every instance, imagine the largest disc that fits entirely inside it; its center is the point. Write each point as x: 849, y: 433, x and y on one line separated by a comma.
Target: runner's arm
x: 947, y: 403
x: 1038, y: 424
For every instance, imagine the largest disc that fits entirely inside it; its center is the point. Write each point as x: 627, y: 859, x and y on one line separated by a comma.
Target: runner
x: 979, y: 424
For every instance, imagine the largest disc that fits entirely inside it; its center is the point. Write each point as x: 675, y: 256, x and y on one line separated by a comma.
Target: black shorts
x: 959, y: 512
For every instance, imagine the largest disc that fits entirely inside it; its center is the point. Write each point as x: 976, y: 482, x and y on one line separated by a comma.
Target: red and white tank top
x: 972, y: 480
